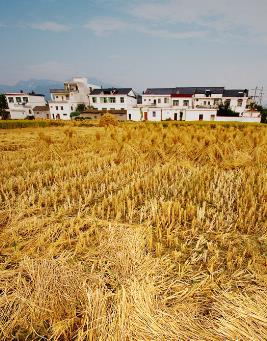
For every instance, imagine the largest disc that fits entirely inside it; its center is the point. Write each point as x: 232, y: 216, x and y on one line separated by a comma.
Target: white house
x: 64, y: 101
x: 113, y: 99
x: 193, y: 103
x: 21, y: 104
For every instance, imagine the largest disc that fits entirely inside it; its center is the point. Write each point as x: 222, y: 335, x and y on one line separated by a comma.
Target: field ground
x: 137, y: 232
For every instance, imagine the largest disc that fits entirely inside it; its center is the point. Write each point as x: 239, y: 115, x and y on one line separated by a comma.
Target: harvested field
x: 135, y: 232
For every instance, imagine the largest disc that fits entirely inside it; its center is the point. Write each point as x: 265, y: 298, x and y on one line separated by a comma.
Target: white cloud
x: 50, y: 26
x: 219, y: 16
x: 107, y: 25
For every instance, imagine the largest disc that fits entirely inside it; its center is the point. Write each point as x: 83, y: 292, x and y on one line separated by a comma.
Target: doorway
x: 175, y: 116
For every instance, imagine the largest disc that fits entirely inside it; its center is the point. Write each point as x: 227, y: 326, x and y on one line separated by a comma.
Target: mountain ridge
x: 42, y: 86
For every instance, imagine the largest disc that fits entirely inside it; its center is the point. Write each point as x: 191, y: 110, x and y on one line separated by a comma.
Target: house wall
x: 134, y: 114
x: 18, y: 110
x: 238, y: 119
x: 42, y: 115
x: 63, y: 104
x: 62, y: 111
x: 128, y: 102
x: 193, y: 114
x: 159, y: 99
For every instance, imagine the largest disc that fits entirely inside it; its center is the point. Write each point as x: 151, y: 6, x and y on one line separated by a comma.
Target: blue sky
x: 136, y: 43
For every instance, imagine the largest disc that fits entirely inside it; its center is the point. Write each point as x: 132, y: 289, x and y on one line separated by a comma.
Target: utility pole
x: 261, y: 96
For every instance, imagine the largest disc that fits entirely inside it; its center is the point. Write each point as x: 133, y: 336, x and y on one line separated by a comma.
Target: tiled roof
x: 159, y: 91
x: 41, y: 108
x: 235, y: 93
x: 183, y: 90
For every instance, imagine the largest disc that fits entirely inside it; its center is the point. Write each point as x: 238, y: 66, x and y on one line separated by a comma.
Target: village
x: 155, y: 104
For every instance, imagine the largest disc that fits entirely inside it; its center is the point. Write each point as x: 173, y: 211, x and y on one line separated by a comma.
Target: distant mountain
x: 42, y: 86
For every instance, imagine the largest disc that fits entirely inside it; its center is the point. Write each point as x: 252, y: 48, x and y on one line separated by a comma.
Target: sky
x: 136, y: 43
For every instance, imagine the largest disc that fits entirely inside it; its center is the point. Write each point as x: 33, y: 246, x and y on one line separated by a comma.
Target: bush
x: 108, y: 120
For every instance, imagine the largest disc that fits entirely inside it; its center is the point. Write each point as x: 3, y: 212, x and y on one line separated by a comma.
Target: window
x: 62, y: 108
x: 176, y: 102
x: 56, y: 96
x: 103, y: 100
x: 112, y: 108
x: 71, y: 108
x: 200, y: 117
x: 186, y: 103
x: 122, y: 99
x: 166, y: 100
x: 104, y: 109
x: 154, y: 113
x: 205, y: 102
x: 112, y: 100
x: 130, y: 116
x: 212, y: 117
x: 227, y: 102
x: 18, y: 99
x: 10, y: 99
x: 94, y: 100
x: 144, y: 99
x: 64, y: 114
x: 67, y: 96
x: 56, y: 107
x: 239, y: 102
x: 159, y: 100
x: 216, y: 101
x: 25, y: 99
x: 208, y: 102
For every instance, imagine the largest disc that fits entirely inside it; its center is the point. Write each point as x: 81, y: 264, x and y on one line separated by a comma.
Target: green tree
x: 225, y: 110
x: 74, y: 114
x: 3, y: 107
x: 80, y: 108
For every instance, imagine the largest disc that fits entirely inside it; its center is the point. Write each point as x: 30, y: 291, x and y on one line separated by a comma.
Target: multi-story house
x: 21, y: 104
x: 193, y: 103
x: 113, y: 99
x: 65, y: 101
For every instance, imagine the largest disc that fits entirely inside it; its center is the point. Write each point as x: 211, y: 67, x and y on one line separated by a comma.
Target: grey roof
x: 183, y: 90
x: 213, y: 90
x: 159, y: 91
x: 235, y: 93
x: 41, y: 108
x: 111, y: 91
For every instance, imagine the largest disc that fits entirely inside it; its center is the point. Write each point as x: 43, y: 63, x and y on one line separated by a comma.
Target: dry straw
x: 134, y: 232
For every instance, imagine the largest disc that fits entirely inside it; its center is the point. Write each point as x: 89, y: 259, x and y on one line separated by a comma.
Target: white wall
x: 128, y: 102
x: 19, y: 110
x: 136, y: 114
x: 238, y: 119
x: 149, y: 100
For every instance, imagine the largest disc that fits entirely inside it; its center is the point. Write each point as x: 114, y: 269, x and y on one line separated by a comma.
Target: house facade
x: 65, y: 101
x: 21, y: 104
x: 194, y: 103
x: 42, y: 112
x: 113, y: 99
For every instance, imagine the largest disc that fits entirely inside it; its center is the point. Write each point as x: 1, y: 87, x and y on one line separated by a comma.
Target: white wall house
x: 193, y: 103
x: 113, y: 99
x: 21, y: 104
x: 64, y: 101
